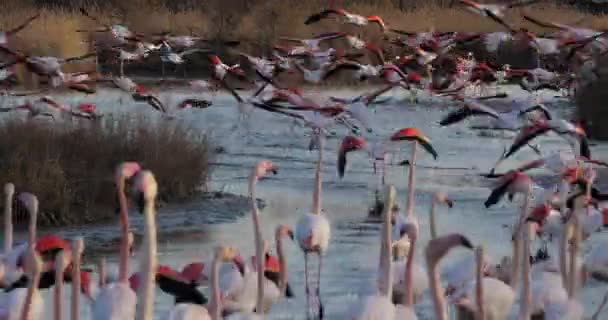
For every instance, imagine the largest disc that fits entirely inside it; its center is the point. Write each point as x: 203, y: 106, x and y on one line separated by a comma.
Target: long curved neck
x: 316, y: 197
x: 148, y: 265
x: 123, y: 271
x: 282, y: 264
x: 102, y: 272
x: 481, y: 312
x: 411, y: 181
x: 57, y: 299
x: 573, y: 274
x: 8, y: 222
x: 75, y: 315
x: 518, y: 235
x: 216, y: 302
x: 432, y: 221
x: 408, y: 297
x: 436, y: 292
x: 32, y: 226
x: 386, y: 286
x: 524, y: 311
x: 32, y: 289
x: 259, y: 246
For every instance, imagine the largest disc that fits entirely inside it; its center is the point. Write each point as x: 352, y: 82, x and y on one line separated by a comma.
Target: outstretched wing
x: 321, y: 15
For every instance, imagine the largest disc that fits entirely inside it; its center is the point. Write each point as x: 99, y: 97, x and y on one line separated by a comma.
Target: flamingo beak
x: 449, y: 203
x: 290, y: 235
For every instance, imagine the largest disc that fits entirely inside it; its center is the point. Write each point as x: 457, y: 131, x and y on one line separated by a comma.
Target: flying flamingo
x: 379, y: 305
x: 349, y: 18
x: 435, y: 250
x: 4, y: 35
x: 27, y: 302
x: 313, y: 230
x: 118, y: 299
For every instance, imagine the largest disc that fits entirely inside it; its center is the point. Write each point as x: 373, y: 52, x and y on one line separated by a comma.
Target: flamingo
x: 435, y: 250
x: 117, y: 300
x: 313, y: 230
x: 416, y: 137
x: 146, y: 185
x: 26, y: 303
x: 379, y: 305
x: 349, y: 18
x: 4, y: 35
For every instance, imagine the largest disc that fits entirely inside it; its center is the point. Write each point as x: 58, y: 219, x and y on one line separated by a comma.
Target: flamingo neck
x: 572, y: 273
x: 148, y: 262
x: 123, y: 271
x: 8, y: 222
x: 432, y: 221
x: 524, y: 311
x: 32, y: 226
x: 282, y: 264
x: 216, y: 300
x: 479, y: 285
x: 75, y: 315
x: 316, y: 197
x: 102, y: 272
x: 259, y: 246
x: 32, y: 290
x: 436, y: 292
x: 386, y: 263
x: 411, y: 181
x: 57, y: 299
x: 408, y: 297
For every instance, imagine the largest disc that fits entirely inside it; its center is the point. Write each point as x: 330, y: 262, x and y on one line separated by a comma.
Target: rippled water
x: 351, y: 261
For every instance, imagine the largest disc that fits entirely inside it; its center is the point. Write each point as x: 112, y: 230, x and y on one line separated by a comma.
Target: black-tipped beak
x: 274, y: 171
x: 466, y: 243
x: 449, y: 203
x: 290, y: 234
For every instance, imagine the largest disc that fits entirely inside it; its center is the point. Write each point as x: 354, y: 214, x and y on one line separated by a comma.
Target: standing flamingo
x: 416, y: 137
x: 146, y: 185
x: 379, y: 305
x: 26, y: 302
x: 313, y: 230
x: 117, y: 300
x: 435, y: 250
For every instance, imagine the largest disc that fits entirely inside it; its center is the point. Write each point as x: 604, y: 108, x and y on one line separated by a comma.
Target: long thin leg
x: 306, y: 285
x: 122, y: 62
x: 319, y: 286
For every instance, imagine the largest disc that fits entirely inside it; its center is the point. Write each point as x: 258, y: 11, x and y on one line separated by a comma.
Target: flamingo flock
x: 523, y: 285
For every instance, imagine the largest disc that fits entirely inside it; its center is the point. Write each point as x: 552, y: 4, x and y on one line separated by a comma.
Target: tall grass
x: 70, y: 167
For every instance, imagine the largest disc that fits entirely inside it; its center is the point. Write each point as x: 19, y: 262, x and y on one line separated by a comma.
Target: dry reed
x: 69, y: 167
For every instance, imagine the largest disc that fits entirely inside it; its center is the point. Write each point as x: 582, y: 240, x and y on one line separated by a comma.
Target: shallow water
x: 351, y: 261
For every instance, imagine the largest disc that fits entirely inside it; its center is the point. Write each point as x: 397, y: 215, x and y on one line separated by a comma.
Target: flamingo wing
x: 521, y: 3
x: 322, y: 15
x: 526, y: 135
x: 499, y: 192
x: 182, y: 291
x: 456, y: 116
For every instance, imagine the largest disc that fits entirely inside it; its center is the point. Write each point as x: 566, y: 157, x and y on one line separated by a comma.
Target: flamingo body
x: 187, y: 311
x: 115, y: 302
x: 376, y: 307
x: 313, y: 233
x: 11, y: 307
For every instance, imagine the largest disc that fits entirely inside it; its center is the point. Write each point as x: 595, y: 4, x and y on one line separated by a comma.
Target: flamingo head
x: 539, y: 214
x: 9, y: 189
x: 264, y: 167
x: 283, y: 230
x: 145, y: 188
x: 441, y: 197
x: 28, y: 201
x: 413, y: 134
x: 349, y: 144
x: 126, y: 170
x: 439, y: 247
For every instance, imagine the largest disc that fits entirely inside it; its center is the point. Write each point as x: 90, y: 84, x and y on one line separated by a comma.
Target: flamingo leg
x: 122, y: 62
x: 319, y: 285
x: 306, y: 285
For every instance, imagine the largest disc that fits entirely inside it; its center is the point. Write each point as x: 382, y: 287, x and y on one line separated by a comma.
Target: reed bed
x: 70, y: 167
